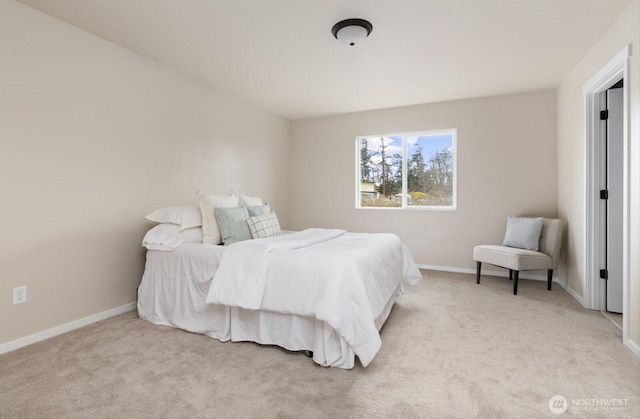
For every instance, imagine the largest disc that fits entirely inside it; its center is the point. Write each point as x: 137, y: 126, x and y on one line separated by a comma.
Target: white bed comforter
x: 344, y: 279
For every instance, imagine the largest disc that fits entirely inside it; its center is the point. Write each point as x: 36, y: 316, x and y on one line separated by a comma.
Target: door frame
x: 595, y: 288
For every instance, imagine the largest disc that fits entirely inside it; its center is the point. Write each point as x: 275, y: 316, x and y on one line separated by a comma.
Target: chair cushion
x: 512, y: 258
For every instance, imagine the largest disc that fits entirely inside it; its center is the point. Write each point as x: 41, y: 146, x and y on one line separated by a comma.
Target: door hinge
x: 604, y: 115
x: 604, y: 194
x: 604, y: 274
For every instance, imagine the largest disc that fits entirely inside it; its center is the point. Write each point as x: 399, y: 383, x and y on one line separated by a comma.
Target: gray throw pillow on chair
x: 523, y: 233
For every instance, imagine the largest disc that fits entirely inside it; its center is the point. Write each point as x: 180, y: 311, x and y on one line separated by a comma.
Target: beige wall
x: 93, y: 137
x: 506, y: 156
x: 571, y: 154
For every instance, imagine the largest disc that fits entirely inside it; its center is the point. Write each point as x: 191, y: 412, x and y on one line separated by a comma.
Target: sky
x: 430, y: 144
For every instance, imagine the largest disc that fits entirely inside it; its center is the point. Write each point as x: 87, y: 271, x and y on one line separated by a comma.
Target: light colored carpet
x: 451, y: 348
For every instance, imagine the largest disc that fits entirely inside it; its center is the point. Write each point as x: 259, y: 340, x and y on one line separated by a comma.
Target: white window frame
x: 404, y: 207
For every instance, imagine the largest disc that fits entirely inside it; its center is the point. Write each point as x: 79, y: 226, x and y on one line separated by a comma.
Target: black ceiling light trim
x: 351, y: 22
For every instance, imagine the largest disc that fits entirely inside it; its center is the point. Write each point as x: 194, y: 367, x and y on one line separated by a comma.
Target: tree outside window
x: 415, y: 170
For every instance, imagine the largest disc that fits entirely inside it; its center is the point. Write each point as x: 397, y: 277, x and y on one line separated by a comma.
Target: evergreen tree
x: 416, y: 172
x: 385, y: 168
x: 365, y: 161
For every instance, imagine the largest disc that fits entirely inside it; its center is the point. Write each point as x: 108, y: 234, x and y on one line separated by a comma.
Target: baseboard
x: 632, y: 347
x: 489, y: 272
x: 576, y: 296
x: 67, y: 327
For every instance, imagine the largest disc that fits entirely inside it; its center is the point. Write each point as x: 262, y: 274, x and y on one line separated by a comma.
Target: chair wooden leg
x: 478, y: 267
x: 549, y: 278
x: 510, y: 274
x: 515, y: 282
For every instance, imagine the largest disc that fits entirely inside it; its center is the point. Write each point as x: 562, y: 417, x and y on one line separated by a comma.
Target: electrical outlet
x: 20, y: 295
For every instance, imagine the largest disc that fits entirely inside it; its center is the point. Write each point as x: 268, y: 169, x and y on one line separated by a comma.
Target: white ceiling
x: 281, y: 56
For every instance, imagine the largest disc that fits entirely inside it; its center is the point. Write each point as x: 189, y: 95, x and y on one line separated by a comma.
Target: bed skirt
x: 173, y: 292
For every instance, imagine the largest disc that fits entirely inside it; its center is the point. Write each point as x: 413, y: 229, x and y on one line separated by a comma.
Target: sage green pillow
x: 259, y: 209
x: 233, y: 224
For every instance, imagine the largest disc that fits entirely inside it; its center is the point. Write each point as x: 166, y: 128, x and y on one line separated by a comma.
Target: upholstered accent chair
x: 517, y: 256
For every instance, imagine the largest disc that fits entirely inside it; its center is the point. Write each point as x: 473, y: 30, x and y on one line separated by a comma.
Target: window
x: 412, y: 170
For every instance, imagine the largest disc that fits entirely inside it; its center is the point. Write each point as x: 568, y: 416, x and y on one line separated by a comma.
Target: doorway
x: 607, y: 172
x: 613, y: 159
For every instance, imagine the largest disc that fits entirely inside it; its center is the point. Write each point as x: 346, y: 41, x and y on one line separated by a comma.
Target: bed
x: 326, y: 292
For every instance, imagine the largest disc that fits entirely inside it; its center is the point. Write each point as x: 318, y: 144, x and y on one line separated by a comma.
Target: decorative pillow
x: 167, y: 237
x: 259, y: 210
x: 249, y: 201
x: 185, y: 216
x: 262, y: 226
x: 233, y: 224
x: 523, y: 233
x: 210, y: 229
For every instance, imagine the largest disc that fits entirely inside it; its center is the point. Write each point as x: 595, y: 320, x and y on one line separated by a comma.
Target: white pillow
x: 185, y: 216
x: 249, y: 201
x: 262, y: 226
x: 167, y: 237
x: 523, y: 233
x: 208, y: 203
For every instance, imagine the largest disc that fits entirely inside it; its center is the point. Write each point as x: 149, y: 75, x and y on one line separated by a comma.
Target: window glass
x: 414, y: 170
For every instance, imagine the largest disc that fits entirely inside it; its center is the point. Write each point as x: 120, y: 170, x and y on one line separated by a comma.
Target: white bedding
x: 343, y: 279
x: 175, y: 285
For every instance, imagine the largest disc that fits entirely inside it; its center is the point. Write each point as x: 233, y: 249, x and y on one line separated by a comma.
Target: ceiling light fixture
x: 351, y: 31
